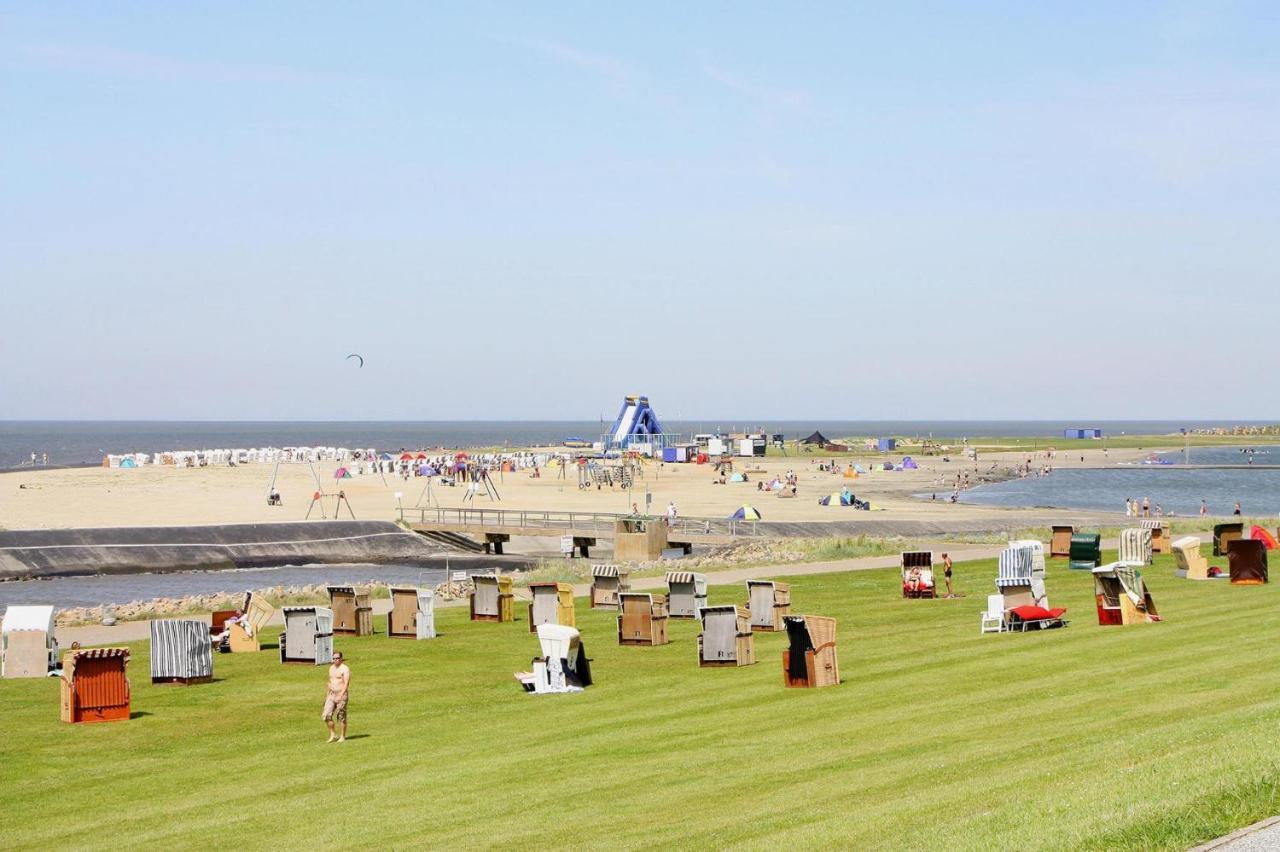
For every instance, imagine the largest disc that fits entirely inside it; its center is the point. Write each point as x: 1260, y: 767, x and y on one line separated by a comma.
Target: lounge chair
x: 1160, y: 538
x: 1191, y: 562
x: 1086, y: 551
x: 726, y: 638
x: 1029, y: 617
x: 810, y: 659
x: 993, y: 617
x: 1224, y: 534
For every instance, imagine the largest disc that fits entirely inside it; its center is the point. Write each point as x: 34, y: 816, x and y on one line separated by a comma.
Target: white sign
x: 566, y: 544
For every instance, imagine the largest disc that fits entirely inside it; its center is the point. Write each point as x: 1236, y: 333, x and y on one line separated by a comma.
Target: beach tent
x: 767, y: 603
x: 810, y: 659
x: 1247, y: 559
x: 642, y: 618
x: 95, y: 685
x: 817, y: 438
x: 686, y: 593
x: 857, y: 468
x: 1135, y: 546
x: 413, y: 613
x: 307, y: 636
x: 738, y: 477
x: 726, y: 638
x: 342, y: 473
x: 1122, y: 595
x: 181, y: 652
x: 607, y: 582
x: 551, y: 603
x: 887, y: 445
x: 27, y: 644
x: 1257, y: 533
x: 1085, y: 552
x: 746, y: 513
x: 1190, y: 561
x: 492, y: 598
x: 909, y: 463
x: 563, y: 666
x: 352, y: 610
x: 128, y: 463
x: 917, y: 574
x: 1224, y: 534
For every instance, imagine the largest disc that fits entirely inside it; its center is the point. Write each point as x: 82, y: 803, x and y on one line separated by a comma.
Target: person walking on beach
x: 1128, y: 507
x: 1204, y: 508
x: 335, y: 699
x: 1146, y: 507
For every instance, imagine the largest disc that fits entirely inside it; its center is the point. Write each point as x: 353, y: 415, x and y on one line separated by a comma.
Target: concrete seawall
x: 28, y: 554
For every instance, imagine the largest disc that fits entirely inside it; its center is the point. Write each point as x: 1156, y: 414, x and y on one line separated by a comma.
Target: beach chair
x: 1135, y: 546
x: 492, y: 598
x: 1247, y: 560
x: 642, y: 619
x: 1224, y: 534
x: 243, y: 637
x: 1160, y: 538
x: 1017, y: 579
x: 181, y: 652
x: 307, y: 637
x: 917, y: 575
x: 1122, y: 596
x: 993, y: 616
x: 551, y: 603
x: 686, y: 593
x: 767, y: 602
x: 27, y: 644
x: 563, y: 666
x: 1190, y: 561
x: 726, y: 638
x: 413, y: 613
x: 1060, y: 541
x: 607, y: 581
x: 95, y: 685
x: 1036, y: 548
x: 352, y: 611
x: 1085, y: 552
x: 810, y: 659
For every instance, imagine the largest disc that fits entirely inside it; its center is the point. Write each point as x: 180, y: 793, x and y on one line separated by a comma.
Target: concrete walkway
x: 1259, y: 837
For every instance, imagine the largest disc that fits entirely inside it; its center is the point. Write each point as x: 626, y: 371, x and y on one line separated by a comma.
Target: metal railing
x: 595, y: 521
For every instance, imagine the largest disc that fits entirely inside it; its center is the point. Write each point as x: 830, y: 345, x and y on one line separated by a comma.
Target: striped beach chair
x: 1135, y: 546
x: 1160, y: 538
x: 607, y: 581
x: 1017, y: 579
x: 181, y: 652
x: 686, y: 593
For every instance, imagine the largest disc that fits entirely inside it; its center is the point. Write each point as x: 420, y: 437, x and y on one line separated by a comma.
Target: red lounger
x: 1036, y: 616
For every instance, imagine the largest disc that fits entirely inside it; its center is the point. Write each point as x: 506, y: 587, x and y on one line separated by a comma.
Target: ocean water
x: 75, y: 443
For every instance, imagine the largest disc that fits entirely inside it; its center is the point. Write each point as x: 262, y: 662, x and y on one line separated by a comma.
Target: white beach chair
x: 993, y: 618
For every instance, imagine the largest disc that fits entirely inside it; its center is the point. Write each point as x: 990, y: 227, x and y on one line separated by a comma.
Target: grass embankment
x: 1146, y: 737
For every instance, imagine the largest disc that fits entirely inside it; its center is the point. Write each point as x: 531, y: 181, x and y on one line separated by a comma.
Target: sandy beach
x: 159, y: 496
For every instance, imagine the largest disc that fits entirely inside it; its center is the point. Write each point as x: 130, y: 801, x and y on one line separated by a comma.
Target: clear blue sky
x: 744, y: 210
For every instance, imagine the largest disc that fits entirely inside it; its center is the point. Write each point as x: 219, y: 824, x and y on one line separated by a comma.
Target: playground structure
x: 95, y: 685
x: 726, y: 638
x: 810, y: 660
x: 637, y: 423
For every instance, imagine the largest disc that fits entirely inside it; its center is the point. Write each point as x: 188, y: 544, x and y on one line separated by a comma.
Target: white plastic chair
x: 993, y: 618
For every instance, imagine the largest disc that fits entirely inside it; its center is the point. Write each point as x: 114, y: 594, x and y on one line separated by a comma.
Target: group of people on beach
x: 1135, y: 509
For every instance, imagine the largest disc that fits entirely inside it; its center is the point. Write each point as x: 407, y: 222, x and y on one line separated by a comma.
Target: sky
x: 526, y: 211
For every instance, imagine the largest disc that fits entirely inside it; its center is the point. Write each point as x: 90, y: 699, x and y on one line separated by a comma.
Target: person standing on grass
x: 946, y: 574
x: 335, y: 699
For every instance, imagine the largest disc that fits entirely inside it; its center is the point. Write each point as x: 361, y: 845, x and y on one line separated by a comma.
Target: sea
x: 72, y: 443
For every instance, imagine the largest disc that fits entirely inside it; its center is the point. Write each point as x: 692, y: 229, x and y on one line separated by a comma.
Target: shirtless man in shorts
x: 335, y: 698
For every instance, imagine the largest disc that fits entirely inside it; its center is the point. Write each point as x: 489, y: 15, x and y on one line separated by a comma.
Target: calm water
x: 86, y: 442
x: 120, y: 589
x: 1180, y: 491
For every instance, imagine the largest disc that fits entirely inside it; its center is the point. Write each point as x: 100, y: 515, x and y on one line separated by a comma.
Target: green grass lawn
x: 1144, y: 737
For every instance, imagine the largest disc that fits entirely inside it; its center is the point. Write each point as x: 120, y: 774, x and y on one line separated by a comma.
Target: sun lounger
x: 607, y: 581
x: 551, y: 603
x: 993, y: 618
x: 307, y: 637
x: 1247, y: 559
x: 642, y: 619
x: 95, y: 685
x: 726, y: 638
x: 1190, y: 561
x: 1029, y: 617
x: 180, y: 652
x: 810, y: 659
x: 27, y: 644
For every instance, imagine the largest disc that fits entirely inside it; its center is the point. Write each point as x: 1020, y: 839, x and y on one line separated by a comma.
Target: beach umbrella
x: 406, y: 457
x: 342, y: 473
x: 746, y: 513
x: 421, y: 456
